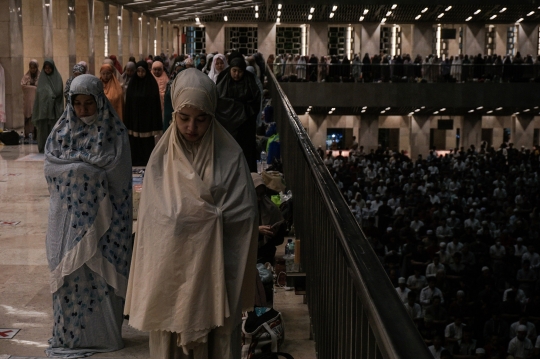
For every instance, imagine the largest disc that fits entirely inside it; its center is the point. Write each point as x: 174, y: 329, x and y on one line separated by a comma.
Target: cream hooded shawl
x: 193, y: 265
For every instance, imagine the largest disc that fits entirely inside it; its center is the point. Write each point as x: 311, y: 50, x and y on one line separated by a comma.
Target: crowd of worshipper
x: 140, y: 94
x: 458, y: 236
x: 403, y: 68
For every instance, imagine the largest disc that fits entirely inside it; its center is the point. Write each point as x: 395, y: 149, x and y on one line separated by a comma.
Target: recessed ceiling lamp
x: 490, y: 111
x: 278, y: 20
x: 334, y: 8
x: 477, y: 12
x: 383, y: 20
x: 479, y: 108
x: 448, y: 8
x: 256, y: 7
x: 363, y: 111
x: 436, y: 112
x: 471, y: 111
x: 469, y: 18
x: 331, y: 15
x: 389, y: 13
x: 361, y: 18
x: 527, y: 110
x: 310, y: 17
x: 418, y: 17
x: 225, y: 18
x: 411, y: 113
x: 417, y: 110
x: 498, y: 109
x: 279, y: 13
x: 383, y: 111
x: 394, y: 6
x: 442, y: 109
x: 364, y: 108
x: 366, y: 11
x: 531, y: 13
x: 312, y: 10
x: 502, y: 10
x: 493, y: 17
x: 197, y: 20
x: 440, y: 15
x: 520, y: 20
x: 279, y: 6
x: 425, y: 9
x: 256, y: 15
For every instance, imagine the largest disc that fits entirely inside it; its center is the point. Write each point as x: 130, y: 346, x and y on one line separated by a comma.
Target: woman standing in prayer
x: 128, y: 74
x: 49, y: 103
x: 29, y: 84
x: 142, y: 115
x: 161, y: 79
x: 78, y: 69
x: 240, y: 104
x: 89, y: 245
x: 219, y: 63
x: 112, y: 89
x: 188, y: 288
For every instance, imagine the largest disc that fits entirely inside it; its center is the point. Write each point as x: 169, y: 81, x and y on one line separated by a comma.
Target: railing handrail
x: 395, y: 332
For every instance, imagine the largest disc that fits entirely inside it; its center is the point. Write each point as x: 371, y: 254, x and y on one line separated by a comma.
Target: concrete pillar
x: 357, y: 28
x: 474, y: 39
x: 266, y: 38
x: 60, y: 36
x: 369, y: 132
x: 501, y: 38
x: 81, y: 31
x: 407, y: 39
x: 420, y: 135
x: 318, y: 39
x: 528, y: 39
x: 471, y: 133
x: 371, y: 39
x: 215, y: 37
x: 99, y: 35
x: 523, y: 131
x: 422, y: 40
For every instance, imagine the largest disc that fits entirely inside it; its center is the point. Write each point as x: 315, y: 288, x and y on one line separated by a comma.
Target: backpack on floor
x: 10, y: 138
x: 261, y: 335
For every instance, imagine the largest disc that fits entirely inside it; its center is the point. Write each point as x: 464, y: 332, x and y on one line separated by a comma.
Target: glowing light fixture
x: 493, y: 17
x: 531, y: 13
x: 518, y: 21
x: 394, y: 6
x: 312, y: 10
x: 389, y: 13
x: 225, y: 18
x: 440, y: 15
x: 256, y: 7
x: 469, y: 18
x: 448, y: 8
x: 310, y: 17
x: 477, y: 11
x: 425, y: 9
x: 366, y: 11
x: 361, y: 18
x: 279, y: 6
x: 383, y: 20
x: 503, y: 9
x: 331, y: 15
x: 334, y: 8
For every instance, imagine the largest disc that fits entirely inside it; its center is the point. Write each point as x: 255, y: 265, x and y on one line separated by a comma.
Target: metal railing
x: 355, y: 311
x: 412, y: 72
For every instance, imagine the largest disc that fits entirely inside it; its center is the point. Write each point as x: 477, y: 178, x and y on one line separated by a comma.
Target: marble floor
x: 25, y: 299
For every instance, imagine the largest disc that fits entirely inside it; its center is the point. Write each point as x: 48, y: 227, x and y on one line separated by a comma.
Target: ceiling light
x: 520, y: 20
x: 331, y: 15
x: 383, y: 20
x: 383, y: 111
x: 417, y: 110
x: 471, y: 111
x: 225, y: 18
x: 256, y: 7
x: 448, y: 8
x: 389, y: 13
x: 469, y: 18
x: 365, y: 107
x: 334, y: 8
x: 436, y: 112
x: 278, y: 20
x: 366, y: 11
x: 440, y: 15
x: 493, y: 17
x: 386, y: 109
x: 423, y: 11
x: 333, y: 109
x: 197, y: 19
x: 279, y: 13
x: 361, y: 18
x: 479, y: 108
x: 517, y: 113
x: 477, y: 12
x: 411, y: 113
x: 498, y: 109
x: 531, y: 13
x: 527, y: 110
x: 535, y: 107
x: 503, y: 9
x: 442, y: 109
x: 394, y: 6
x: 256, y: 15
x: 310, y: 17
x: 423, y: 107
x: 312, y: 10
x: 418, y: 17
x: 279, y: 6
x: 363, y: 111
x: 310, y: 106
x: 490, y: 111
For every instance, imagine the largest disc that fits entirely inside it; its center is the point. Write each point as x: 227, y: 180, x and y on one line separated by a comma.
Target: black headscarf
x: 238, y: 62
x: 143, y: 104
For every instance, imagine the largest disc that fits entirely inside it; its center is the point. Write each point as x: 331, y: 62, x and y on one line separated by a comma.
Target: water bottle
x: 291, y: 247
x: 30, y: 138
x: 264, y: 160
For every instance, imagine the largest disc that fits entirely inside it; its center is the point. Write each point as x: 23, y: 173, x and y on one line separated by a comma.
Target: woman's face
x: 220, y: 65
x: 48, y: 69
x: 33, y: 68
x: 192, y: 123
x: 84, y: 105
x: 141, y: 72
x: 106, y: 76
x: 237, y: 73
x: 130, y: 71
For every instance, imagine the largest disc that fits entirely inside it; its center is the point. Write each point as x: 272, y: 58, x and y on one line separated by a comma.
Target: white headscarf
x: 213, y: 73
x: 193, y: 266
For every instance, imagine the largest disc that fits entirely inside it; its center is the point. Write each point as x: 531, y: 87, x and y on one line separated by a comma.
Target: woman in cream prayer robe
x: 193, y: 265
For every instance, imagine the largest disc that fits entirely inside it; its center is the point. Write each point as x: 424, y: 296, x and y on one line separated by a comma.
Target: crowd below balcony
x: 458, y: 236
x: 386, y: 68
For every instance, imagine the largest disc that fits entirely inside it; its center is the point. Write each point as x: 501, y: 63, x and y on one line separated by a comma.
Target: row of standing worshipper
x: 200, y: 172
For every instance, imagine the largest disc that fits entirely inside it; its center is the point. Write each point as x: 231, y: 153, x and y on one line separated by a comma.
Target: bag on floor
x: 261, y: 335
x: 10, y: 138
